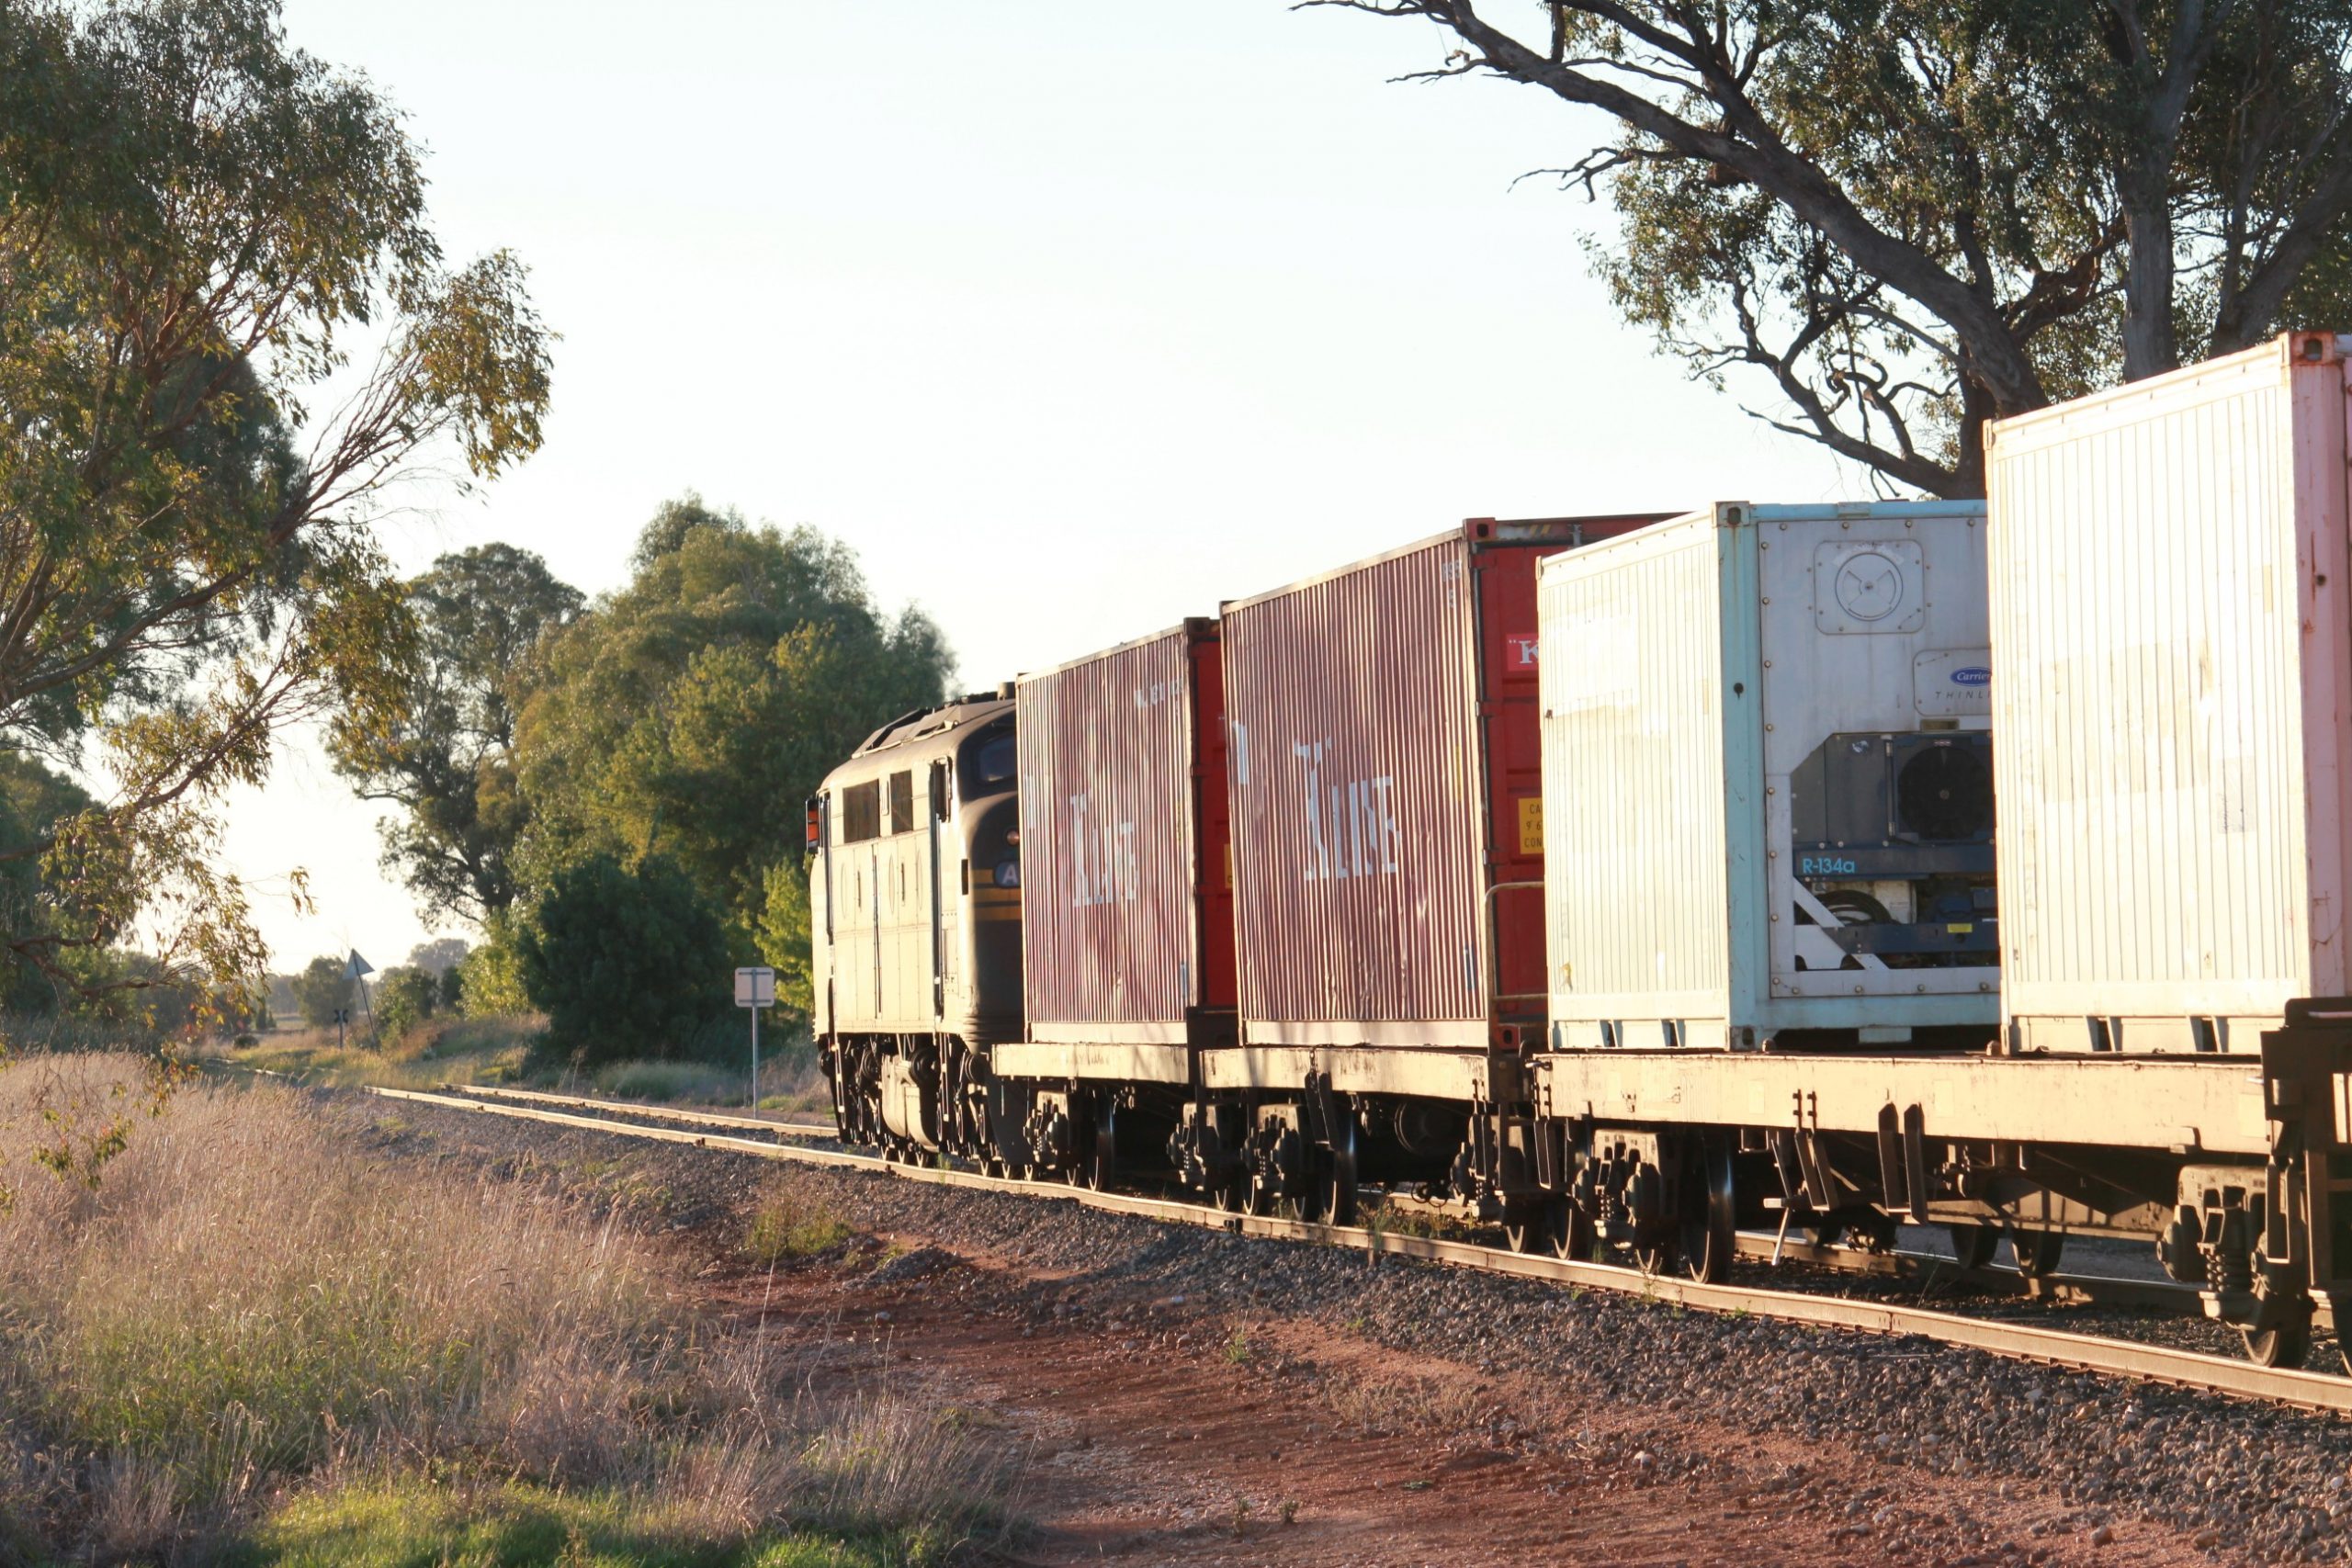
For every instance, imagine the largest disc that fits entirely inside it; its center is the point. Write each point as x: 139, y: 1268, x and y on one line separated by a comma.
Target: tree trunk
x: 1977, y: 411
x: 2150, y: 344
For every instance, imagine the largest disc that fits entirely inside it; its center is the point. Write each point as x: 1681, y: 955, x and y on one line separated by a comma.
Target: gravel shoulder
x: 1173, y: 1388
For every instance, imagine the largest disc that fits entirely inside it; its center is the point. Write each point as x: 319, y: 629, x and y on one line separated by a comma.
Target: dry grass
x: 442, y: 1050
x: 1383, y: 1406
x: 788, y: 1224
x: 244, y: 1301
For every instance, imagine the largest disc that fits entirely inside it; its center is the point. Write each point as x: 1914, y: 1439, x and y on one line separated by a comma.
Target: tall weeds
x: 246, y: 1300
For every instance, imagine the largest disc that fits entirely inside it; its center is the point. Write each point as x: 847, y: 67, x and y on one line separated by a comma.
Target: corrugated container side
x: 1111, y: 944
x: 1633, y: 780
x: 2167, y: 697
x: 1357, y: 824
x: 1373, y: 845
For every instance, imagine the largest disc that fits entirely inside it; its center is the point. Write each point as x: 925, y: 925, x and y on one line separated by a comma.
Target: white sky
x: 1072, y: 317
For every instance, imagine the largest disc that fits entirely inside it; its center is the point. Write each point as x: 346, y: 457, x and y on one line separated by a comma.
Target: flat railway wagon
x: 1128, y: 949
x: 1387, y: 868
x: 1769, y: 802
x: 2171, y: 658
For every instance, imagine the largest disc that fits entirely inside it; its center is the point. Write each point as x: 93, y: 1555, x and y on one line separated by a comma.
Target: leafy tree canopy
x: 320, y: 989
x: 1904, y: 217
x: 199, y: 227
x: 33, y: 799
x: 691, y: 714
x: 448, y: 761
x: 439, y: 955
x: 404, y: 999
x: 624, y: 962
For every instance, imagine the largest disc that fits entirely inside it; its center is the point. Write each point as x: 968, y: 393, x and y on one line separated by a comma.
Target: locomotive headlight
x: 1008, y: 872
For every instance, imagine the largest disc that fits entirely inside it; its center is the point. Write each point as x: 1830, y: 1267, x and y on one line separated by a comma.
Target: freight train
x: 1638, y: 878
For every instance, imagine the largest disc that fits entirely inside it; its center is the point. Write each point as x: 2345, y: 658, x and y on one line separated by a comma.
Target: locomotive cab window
x: 902, y: 801
x: 862, y: 813
x: 993, y: 762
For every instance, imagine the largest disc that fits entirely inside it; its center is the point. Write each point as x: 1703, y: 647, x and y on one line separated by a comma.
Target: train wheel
x: 1335, y: 1176
x: 1710, y: 1231
x: 1100, y: 1168
x: 2287, y: 1344
x: 2036, y: 1253
x: 1577, y: 1235
x: 1973, y: 1245
x: 1261, y: 1197
x: 1540, y: 1225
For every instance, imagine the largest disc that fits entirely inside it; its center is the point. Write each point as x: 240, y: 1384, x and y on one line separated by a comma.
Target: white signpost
x: 755, y: 988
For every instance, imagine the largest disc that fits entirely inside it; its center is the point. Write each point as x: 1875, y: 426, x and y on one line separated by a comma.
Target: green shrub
x: 624, y: 962
x: 787, y: 1224
x: 406, y: 999
x: 489, y: 978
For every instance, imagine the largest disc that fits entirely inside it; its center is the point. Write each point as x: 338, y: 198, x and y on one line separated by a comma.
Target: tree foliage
x: 489, y: 978
x: 404, y: 999
x: 624, y: 962
x: 782, y: 939
x: 33, y: 799
x: 448, y: 762
x: 322, y: 989
x: 1906, y: 216
x: 201, y: 229
x: 439, y: 955
x: 689, y: 715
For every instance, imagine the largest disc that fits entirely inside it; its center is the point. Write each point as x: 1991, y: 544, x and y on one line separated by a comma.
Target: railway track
x: 2080, y: 1353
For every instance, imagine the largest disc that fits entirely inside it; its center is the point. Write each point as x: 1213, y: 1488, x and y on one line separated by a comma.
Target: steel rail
x: 633, y: 1108
x: 2076, y: 1352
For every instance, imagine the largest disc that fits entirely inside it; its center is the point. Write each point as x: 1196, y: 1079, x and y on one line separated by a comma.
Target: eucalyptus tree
x: 1904, y: 217
x: 447, y: 761
x: 689, y: 714
x: 229, y: 342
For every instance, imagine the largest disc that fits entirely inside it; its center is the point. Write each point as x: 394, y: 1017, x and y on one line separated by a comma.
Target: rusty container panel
x: 1113, y: 880
x: 1385, y: 763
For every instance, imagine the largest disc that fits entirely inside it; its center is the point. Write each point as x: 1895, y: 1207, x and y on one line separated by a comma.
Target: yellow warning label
x: 1959, y: 930
x: 1530, y: 824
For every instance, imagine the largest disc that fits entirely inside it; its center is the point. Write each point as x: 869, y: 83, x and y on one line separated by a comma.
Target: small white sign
x: 755, y: 987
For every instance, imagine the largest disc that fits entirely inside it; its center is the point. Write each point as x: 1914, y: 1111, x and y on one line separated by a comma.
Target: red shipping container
x: 1387, y: 793
x: 1127, y: 912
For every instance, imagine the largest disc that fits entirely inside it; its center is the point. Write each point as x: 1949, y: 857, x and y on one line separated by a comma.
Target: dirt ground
x: 1155, y: 1432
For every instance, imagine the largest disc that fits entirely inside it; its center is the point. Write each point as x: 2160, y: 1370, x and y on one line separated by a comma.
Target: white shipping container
x: 2170, y: 637
x: 1767, y: 779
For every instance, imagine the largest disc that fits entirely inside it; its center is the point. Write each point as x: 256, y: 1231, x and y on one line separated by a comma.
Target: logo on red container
x: 1522, y: 650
